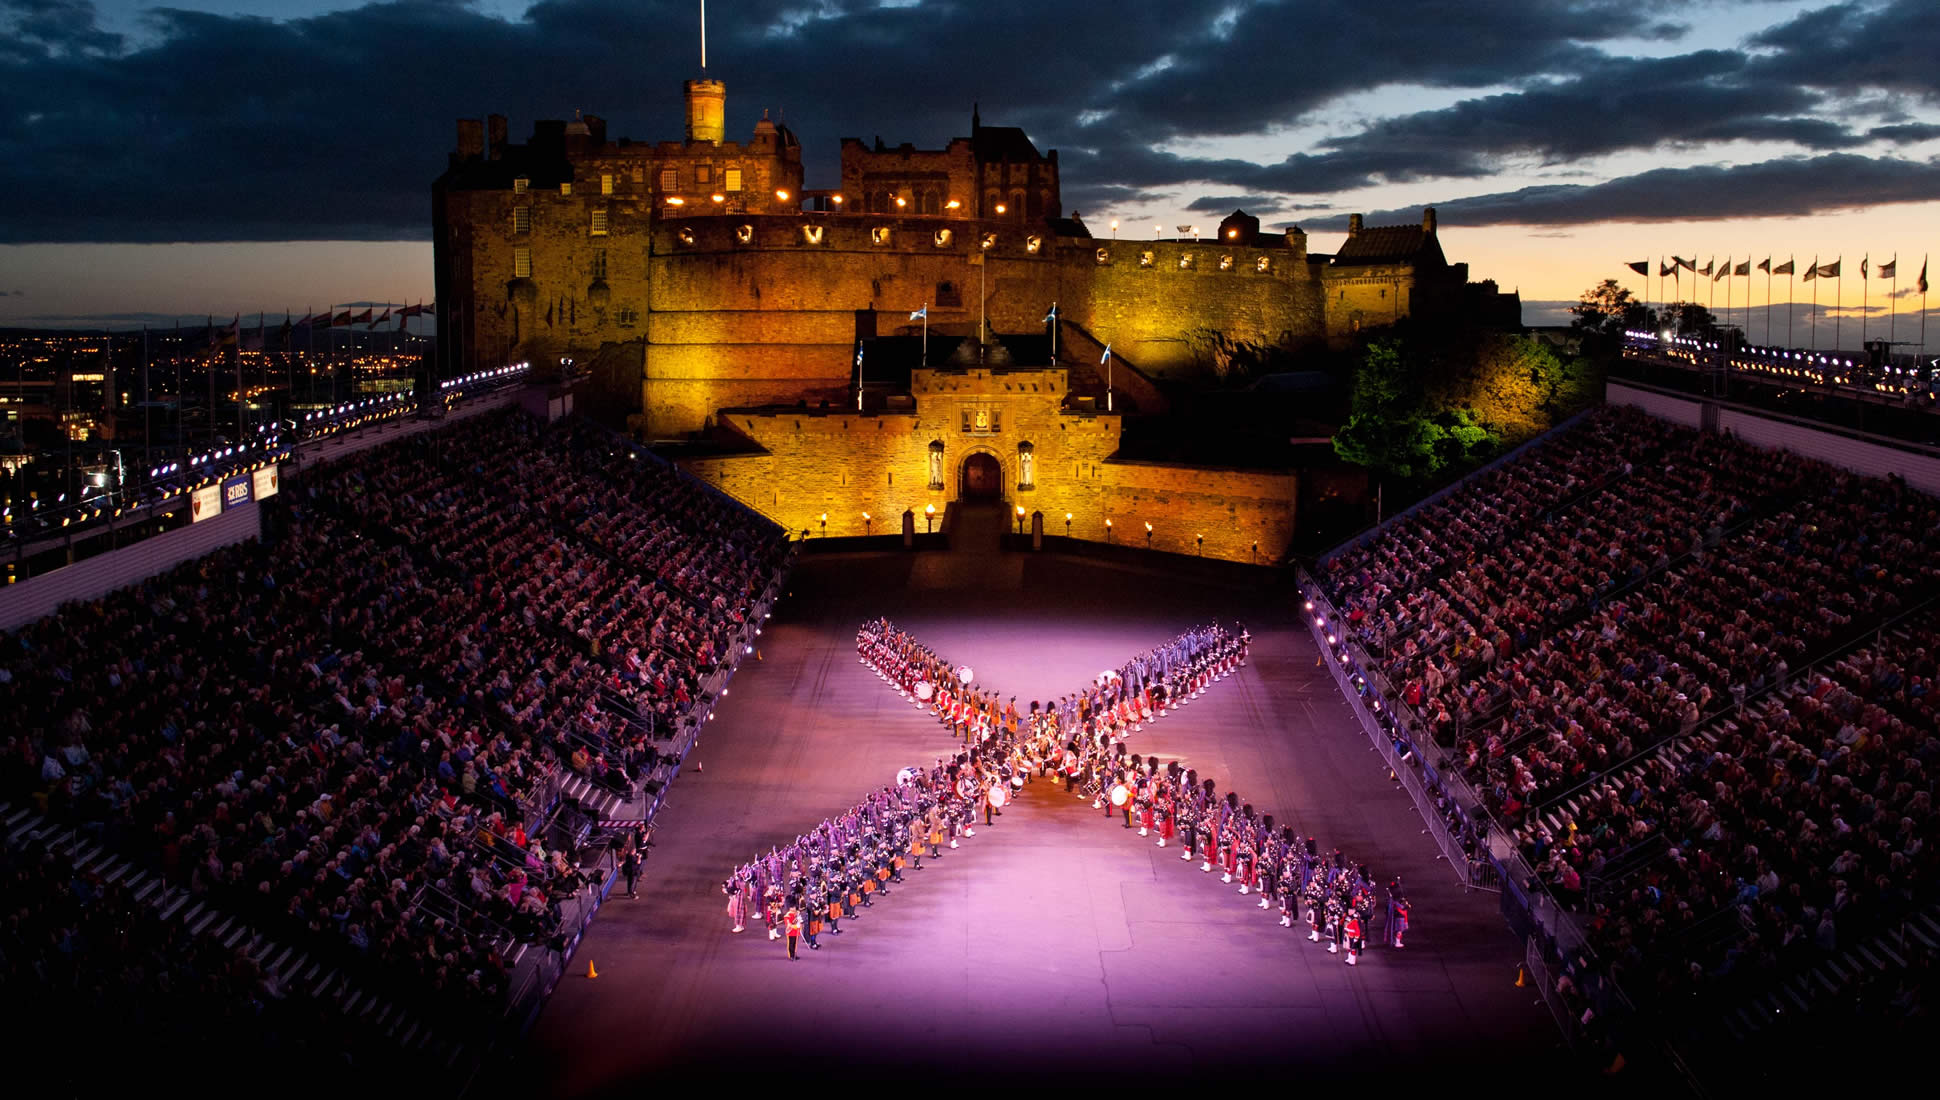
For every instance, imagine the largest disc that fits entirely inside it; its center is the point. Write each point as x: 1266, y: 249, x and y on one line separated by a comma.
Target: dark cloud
x: 60, y: 28
x: 1256, y: 205
x: 1785, y: 187
x: 229, y: 127
x: 1905, y: 133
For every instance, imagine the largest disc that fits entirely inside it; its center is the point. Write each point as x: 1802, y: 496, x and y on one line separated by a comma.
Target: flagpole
x: 1893, y: 309
x: 1839, y: 302
x: 1923, y: 313
x: 926, y: 334
x: 1768, y: 303
x: 147, y: 431
x: 1815, y: 303
x: 1865, y: 298
x: 1791, y: 296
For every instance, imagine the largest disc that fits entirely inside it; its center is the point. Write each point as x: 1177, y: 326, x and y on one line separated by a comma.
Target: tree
x: 1603, y: 313
x: 1690, y: 319
x: 1391, y: 426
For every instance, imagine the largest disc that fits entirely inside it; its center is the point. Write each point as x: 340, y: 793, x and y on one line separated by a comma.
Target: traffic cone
x: 1319, y: 660
x: 757, y: 653
x: 590, y: 972
x: 1522, y: 977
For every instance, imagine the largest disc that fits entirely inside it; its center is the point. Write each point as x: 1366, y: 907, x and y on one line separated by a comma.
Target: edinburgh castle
x: 713, y: 291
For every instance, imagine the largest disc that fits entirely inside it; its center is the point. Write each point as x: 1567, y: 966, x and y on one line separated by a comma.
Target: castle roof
x: 1390, y: 244
x: 1003, y: 143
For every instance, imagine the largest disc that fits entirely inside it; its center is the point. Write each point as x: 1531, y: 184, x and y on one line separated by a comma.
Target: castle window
x: 946, y: 295
x: 1262, y: 265
x: 599, y: 263
x: 732, y: 180
x: 639, y: 175
x: 606, y: 183
x: 519, y: 185
x: 670, y: 179
x: 522, y: 263
x: 703, y: 173
x: 627, y: 316
x: 566, y: 188
x: 522, y: 219
x: 599, y: 223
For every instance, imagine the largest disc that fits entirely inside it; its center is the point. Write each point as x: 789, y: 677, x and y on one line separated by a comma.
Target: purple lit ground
x: 1055, y: 946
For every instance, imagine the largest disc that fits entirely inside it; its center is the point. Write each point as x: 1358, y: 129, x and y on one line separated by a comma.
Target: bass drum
x: 925, y: 690
x: 907, y: 777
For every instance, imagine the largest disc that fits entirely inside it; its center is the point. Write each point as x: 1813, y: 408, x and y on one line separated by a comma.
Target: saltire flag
x: 858, y: 355
x: 1811, y: 270
x: 1053, y: 315
x: 1666, y: 269
x: 1105, y: 358
x: 1829, y: 271
x: 1688, y: 265
x: 920, y: 314
x: 1785, y: 268
x: 1765, y: 265
x: 1890, y: 269
x: 1743, y: 268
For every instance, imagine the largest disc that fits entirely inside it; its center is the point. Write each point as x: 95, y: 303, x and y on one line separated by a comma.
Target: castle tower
x: 706, y: 111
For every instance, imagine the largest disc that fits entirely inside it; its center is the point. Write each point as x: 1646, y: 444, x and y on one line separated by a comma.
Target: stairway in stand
x: 288, y: 969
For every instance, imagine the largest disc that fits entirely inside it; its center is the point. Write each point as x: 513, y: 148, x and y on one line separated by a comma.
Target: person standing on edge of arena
x: 630, y: 867
x: 793, y: 923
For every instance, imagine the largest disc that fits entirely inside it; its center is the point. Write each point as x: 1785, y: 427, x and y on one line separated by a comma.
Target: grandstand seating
x: 1690, y: 678
x: 347, y: 765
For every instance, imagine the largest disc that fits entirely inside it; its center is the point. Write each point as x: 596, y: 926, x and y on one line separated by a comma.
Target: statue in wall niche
x: 1025, y: 460
x: 936, y: 466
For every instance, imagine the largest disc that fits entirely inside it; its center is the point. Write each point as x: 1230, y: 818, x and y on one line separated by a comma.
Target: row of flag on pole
x: 234, y: 334
x: 1814, y: 270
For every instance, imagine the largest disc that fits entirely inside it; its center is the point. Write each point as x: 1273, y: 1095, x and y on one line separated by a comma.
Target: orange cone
x: 757, y: 654
x: 1522, y: 977
x: 590, y: 972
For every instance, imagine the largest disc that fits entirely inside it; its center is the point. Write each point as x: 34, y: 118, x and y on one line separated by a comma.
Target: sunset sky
x: 244, y: 155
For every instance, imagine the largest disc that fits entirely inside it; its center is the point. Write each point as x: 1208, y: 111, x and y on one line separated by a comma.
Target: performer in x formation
x: 1081, y: 739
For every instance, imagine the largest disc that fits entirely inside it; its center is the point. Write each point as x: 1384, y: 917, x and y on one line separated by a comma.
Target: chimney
x: 471, y: 139
x: 495, y: 133
x: 1428, y: 219
x: 1353, y: 225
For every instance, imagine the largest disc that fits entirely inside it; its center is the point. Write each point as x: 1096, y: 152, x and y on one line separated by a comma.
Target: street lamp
x: 825, y: 525
x: 929, y: 519
x: 1148, y: 536
x: 1001, y: 208
x: 1020, y: 519
x: 865, y: 523
x: 1067, y: 525
x: 1202, y: 545
x: 1107, y: 528
x: 1114, y: 229
x: 782, y: 195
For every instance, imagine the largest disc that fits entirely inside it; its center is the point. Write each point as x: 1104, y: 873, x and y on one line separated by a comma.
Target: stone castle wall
x: 848, y: 465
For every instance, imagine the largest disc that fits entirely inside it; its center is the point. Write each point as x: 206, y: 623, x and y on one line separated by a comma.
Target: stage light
x: 1001, y: 208
x: 782, y: 195
x: 836, y: 199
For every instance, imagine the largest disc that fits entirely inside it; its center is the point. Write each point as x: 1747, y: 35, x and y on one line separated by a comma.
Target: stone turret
x: 1427, y: 219
x: 706, y: 111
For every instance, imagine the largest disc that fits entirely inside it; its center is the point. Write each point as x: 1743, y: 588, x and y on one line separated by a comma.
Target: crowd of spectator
x: 343, y: 732
x: 1611, y: 634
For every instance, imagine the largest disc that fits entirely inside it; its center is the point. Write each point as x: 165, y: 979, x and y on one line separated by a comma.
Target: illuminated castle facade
x: 703, y: 280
